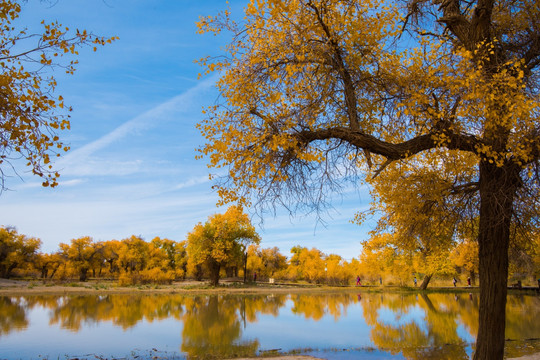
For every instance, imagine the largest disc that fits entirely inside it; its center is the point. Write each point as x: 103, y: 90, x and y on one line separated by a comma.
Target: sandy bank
x: 16, y: 287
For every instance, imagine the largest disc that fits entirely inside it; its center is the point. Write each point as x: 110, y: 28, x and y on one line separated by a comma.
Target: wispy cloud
x: 144, y: 121
x: 192, y: 182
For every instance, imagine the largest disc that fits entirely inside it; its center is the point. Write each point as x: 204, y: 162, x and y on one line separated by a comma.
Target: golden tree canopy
x: 317, y: 92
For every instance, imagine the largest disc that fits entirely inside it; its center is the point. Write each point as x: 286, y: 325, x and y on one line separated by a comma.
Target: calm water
x: 334, y: 326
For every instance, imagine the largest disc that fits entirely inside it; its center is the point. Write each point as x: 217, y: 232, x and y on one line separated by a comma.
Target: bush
x: 147, y: 276
x: 157, y: 276
x: 125, y: 279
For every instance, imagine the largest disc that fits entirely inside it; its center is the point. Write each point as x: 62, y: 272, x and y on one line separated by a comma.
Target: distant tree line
x: 228, y: 246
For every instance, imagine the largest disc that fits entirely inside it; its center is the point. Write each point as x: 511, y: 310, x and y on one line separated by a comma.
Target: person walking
x: 415, y: 283
x: 454, y: 281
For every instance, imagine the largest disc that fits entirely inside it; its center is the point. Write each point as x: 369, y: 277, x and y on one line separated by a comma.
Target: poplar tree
x: 315, y: 93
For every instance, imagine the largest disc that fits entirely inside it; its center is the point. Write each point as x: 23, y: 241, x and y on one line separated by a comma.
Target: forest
x: 135, y: 261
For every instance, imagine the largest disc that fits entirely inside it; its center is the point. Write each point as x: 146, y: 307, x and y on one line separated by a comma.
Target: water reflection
x: 432, y: 334
x: 212, y: 328
x: 126, y: 311
x: 424, y: 326
x: 12, y: 316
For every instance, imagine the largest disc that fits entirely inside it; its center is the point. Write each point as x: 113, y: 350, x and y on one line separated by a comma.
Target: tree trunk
x: 54, y: 272
x: 198, y: 272
x: 472, y: 275
x: 245, y: 267
x: 82, y: 274
x: 214, y: 268
x: 44, y: 272
x: 230, y: 271
x: 425, y: 282
x: 497, y: 190
x: 10, y: 269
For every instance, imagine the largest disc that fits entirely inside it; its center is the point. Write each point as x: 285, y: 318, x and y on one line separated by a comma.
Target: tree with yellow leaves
x: 266, y: 263
x: 317, y: 92
x: 16, y: 251
x: 80, y: 254
x: 133, y: 254
x: 465, y: 256
x: 47, y: 263
x: 221, y: 240
x: 423, y: 219
x: 380, y: 256
x: 31, y: 115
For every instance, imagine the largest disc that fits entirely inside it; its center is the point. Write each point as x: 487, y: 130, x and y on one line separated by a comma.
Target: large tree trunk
x: 497, y: 190
x: 425, y: 282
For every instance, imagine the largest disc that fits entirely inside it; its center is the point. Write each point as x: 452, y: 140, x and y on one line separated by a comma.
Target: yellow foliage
x: 31, y: 114
x: 222, y: 240
x: 147, y: 276
x: 16, y: 251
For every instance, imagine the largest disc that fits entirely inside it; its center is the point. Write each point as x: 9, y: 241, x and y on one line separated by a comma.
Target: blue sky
x: 132, y: 169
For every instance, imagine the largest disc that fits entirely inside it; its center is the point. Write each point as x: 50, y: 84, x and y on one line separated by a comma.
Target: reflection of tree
x: 419, y: 326
x: 12, y: 315
x: 212, y: 328
x: 316, y: 306
x: 252, y: 306
x: 434, y: 338
x: 522, y: 314
x: 123, y: 310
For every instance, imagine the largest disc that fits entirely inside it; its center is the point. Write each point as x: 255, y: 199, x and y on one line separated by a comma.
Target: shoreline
x: 22, y: 287
x: 227, y: 286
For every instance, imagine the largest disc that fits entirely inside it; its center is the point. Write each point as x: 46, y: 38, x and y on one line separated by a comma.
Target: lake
x: 335, y: 326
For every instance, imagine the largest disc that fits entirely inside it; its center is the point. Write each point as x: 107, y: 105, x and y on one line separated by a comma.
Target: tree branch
x: 339, y: 64
x: 392, y: 151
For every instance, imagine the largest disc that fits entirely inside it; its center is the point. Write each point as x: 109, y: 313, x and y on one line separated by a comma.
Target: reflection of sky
x: 290, y: 331
x: 102, y: 338
x: 400, y: 318
x: 465, y: 333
